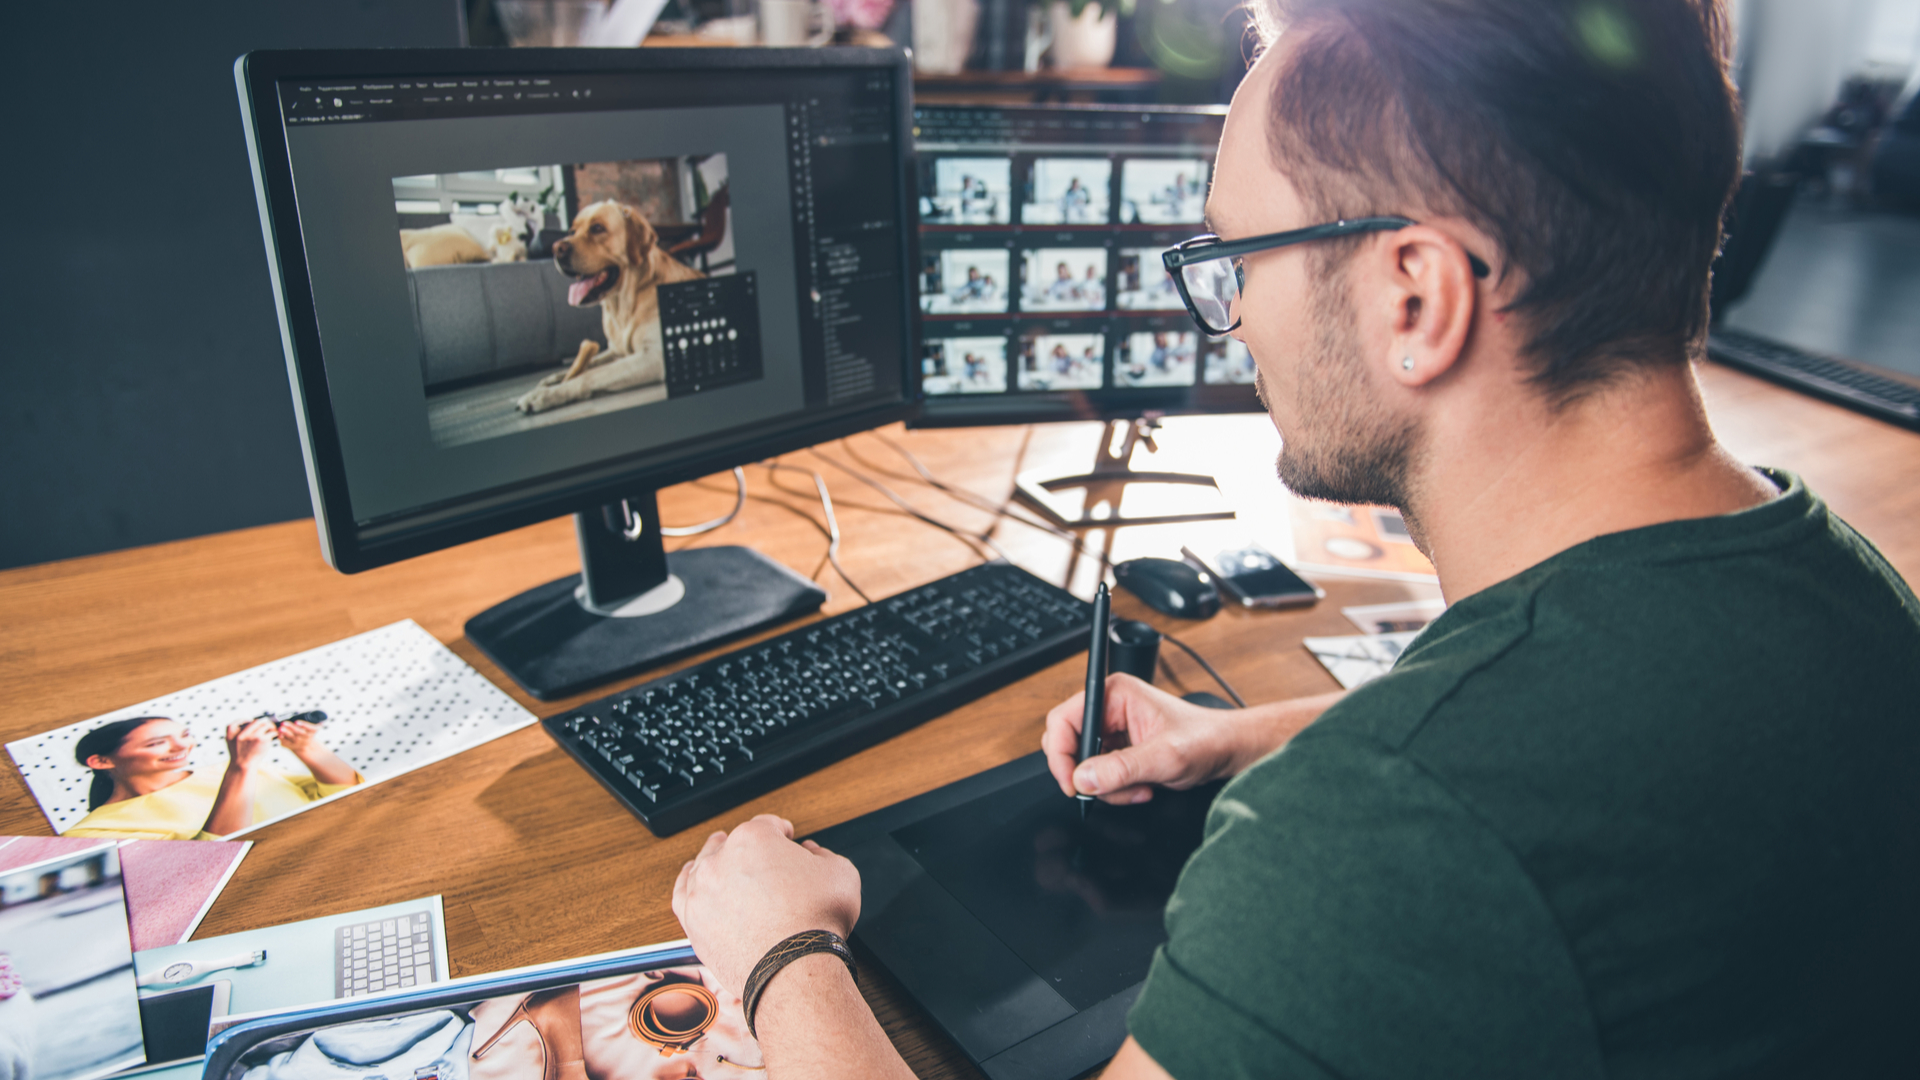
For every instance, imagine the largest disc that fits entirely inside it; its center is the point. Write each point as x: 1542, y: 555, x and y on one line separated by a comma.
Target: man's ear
x: 1433, y: 297
x: 641, y: 238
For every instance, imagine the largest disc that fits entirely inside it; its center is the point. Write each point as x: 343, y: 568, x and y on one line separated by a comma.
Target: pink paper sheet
x: 170, y: 884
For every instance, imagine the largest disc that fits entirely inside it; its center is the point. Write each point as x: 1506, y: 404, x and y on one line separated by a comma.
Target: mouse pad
x: 1079, y: 903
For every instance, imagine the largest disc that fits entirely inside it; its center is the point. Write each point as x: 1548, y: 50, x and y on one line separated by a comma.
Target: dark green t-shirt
x: 1647, y: 809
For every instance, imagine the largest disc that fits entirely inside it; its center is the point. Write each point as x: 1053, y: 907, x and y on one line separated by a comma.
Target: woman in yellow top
x: 144, y: 789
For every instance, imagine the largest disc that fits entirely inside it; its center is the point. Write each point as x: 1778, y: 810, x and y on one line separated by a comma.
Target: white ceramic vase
x: 1084, y: 42
x: 943, y: 34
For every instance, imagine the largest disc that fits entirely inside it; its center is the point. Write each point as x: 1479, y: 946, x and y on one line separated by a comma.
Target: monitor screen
x: 1041, y: 290
x: 537, y: 283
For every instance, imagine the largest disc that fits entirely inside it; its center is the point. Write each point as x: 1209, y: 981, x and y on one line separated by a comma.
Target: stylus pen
x: 1096, y: 712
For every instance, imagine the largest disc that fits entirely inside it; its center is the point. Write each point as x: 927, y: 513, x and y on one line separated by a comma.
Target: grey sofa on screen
x: 484, y: 319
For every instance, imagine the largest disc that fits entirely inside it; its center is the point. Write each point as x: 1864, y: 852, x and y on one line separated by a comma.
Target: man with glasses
x: 1641, y: 802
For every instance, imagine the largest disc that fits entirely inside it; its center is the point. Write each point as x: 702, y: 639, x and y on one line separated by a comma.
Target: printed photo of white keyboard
x: 384, y: 955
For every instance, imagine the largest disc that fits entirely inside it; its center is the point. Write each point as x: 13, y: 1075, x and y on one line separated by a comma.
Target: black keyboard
x: 684, y: 747
x: 1844, y: 384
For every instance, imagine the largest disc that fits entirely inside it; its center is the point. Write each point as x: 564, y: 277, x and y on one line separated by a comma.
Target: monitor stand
x: 634, y: 605
x: 1185, y: 496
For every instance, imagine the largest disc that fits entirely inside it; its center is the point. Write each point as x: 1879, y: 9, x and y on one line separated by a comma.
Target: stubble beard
x: 1348, y: 448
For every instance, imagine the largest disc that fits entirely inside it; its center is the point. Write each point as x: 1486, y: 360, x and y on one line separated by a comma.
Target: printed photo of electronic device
x: 174, y: 1023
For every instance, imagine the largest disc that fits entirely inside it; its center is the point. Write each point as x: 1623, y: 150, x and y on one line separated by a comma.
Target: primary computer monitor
x: 1041, y: 290
x: 515, y: 284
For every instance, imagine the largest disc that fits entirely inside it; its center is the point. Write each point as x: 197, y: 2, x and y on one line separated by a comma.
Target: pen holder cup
x: 1133, y: 647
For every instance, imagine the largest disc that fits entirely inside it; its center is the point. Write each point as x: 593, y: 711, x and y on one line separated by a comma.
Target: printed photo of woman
x: 145, y: 788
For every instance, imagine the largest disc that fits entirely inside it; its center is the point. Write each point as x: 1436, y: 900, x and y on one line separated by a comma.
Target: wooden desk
x: 536, y: 861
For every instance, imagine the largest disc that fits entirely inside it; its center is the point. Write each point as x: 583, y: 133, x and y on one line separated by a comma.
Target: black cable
x: 773, y: 480
x: 962, y: 494
x: 964, y: 537
x: 1202, y: 661
x: 1002, y: 510
x: 970, y: 539
x: 874, y: 467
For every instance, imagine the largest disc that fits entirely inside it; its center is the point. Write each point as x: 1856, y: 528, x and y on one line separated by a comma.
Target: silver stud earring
x: 1406, y: 363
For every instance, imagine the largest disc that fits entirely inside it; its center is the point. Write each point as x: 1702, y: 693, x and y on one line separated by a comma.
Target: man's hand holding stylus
x: 1153, y: 738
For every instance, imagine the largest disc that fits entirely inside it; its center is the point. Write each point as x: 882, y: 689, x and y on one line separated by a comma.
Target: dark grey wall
x: 145, y: 391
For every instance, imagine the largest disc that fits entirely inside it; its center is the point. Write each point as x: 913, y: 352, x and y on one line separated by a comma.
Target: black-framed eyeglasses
x: 1206, y: 269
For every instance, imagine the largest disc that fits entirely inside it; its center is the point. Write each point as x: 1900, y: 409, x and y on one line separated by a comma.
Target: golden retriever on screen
x: 440, y: 245
x: 615, y: 260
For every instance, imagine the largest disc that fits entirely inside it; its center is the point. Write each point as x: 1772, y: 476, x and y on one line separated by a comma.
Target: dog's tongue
x: 577, y: 292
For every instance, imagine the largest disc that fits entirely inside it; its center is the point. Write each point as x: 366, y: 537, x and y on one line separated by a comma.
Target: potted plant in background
x: 1083, y: 31
x: 943, y: 34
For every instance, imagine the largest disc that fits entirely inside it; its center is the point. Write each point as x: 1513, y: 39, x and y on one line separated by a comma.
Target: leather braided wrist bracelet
x: 804, y: 943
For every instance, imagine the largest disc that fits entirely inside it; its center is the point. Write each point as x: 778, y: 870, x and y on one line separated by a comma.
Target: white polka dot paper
x: 395, y: 699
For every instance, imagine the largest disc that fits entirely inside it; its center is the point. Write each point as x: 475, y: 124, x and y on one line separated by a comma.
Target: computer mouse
x: 1170, y: 587
x: 1211, y: 701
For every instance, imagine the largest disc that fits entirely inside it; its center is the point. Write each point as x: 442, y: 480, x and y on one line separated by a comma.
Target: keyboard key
x: 665, y: 789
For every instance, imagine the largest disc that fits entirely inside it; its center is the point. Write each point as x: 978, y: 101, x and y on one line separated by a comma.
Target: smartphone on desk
x: 1255, y: 577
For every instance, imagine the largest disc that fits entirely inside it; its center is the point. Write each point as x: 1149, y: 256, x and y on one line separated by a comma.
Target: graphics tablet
x: 1024, y: 933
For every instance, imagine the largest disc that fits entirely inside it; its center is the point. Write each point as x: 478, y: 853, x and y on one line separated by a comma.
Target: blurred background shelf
x: 1111, y: 85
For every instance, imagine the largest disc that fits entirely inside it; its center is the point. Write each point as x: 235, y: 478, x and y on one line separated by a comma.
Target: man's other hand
x: 752, y: 888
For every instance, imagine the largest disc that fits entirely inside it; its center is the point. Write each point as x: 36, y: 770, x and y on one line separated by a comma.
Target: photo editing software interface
x: 1040, y: 238
x: 527, y: 284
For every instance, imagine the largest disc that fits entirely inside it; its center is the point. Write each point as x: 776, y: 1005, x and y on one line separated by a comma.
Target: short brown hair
x: 1595, y: 141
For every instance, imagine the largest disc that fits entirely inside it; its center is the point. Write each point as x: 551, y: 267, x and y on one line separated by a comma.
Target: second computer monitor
x: 1041, y: 291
